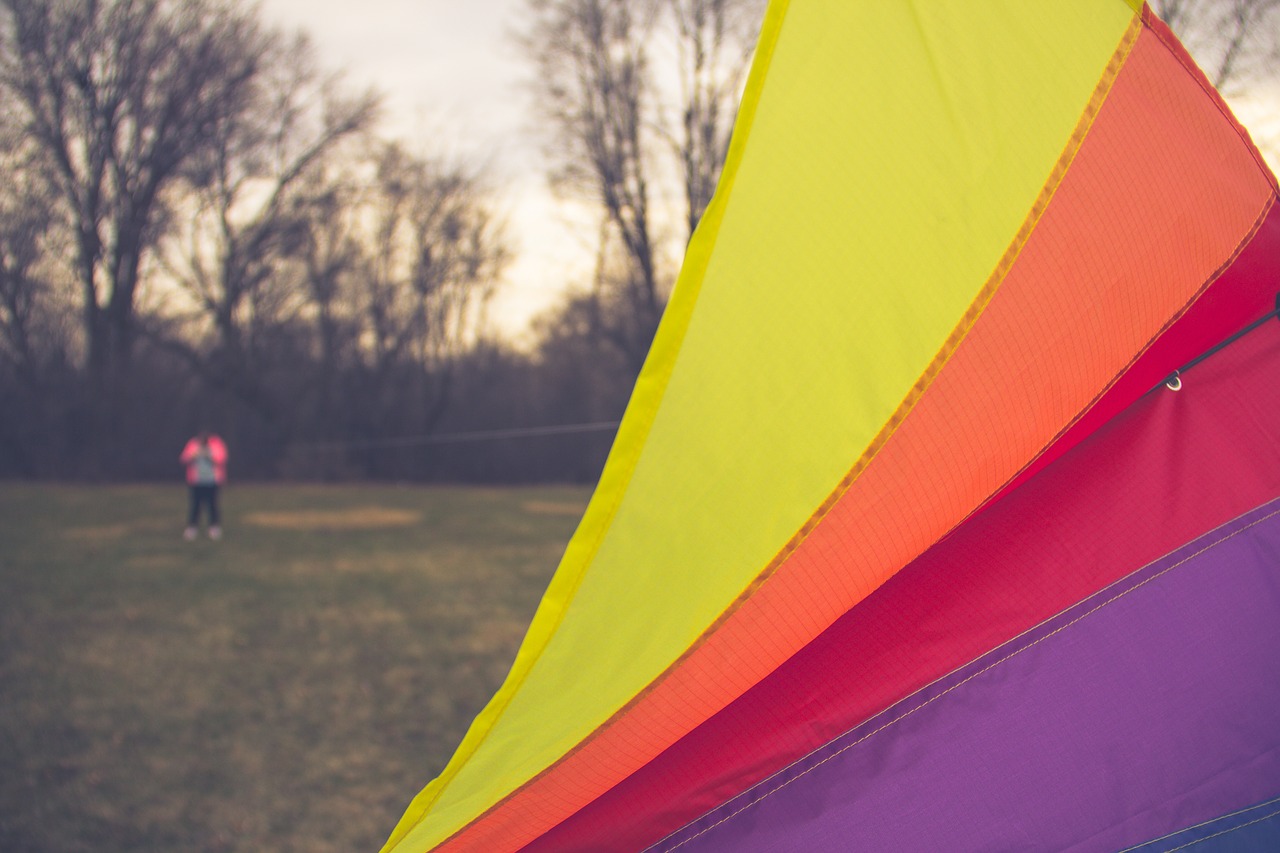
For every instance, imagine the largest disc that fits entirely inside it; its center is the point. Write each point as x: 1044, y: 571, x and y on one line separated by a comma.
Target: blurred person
x: 205, y: 458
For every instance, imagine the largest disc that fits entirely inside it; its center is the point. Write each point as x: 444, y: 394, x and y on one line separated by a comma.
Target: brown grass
x: 289, y: 688
x: 572, y: 508
x: 355, y: 518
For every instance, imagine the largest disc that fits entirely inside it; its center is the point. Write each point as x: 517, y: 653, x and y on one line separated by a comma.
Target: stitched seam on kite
x: 716, y: 218
x: 1160, y: 30
x: 1072, y: 147
x: 1118, y: 583
x: 967, y: 320
x: 1203, y: 824
x: 1224, y: 832
x: 980, y: 672
x: 1179, y: 53
x: 1239, y: 248
x: 1244, y: 242
x: 949, y: 346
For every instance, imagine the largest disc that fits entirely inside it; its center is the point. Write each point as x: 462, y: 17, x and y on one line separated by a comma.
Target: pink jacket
x: 217, y: 455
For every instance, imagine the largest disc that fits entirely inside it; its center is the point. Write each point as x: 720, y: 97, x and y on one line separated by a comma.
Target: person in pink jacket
x: 205, y: 458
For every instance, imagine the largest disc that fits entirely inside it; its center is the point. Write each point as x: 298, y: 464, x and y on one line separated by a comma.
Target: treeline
x: 502, y: 424
x: 201, y: 226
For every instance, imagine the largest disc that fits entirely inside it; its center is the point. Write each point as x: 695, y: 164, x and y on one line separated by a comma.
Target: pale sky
x: 454, y: 86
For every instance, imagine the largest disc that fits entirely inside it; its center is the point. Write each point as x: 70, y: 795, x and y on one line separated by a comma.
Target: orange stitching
x: 1267, y: 204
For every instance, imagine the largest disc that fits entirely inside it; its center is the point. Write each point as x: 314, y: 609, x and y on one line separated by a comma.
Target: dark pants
x: 203, y: 495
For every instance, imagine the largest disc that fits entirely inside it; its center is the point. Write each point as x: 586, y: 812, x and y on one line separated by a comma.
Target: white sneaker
x: 215, y: 532
x: 189, y: 534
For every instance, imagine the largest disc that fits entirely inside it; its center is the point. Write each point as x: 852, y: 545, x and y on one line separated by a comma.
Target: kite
x: 945, y: 513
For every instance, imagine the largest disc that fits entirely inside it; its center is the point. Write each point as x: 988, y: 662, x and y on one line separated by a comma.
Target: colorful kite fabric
x: 896, y: 549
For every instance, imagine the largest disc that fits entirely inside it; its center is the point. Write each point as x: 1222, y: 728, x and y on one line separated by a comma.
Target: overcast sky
x: 455, y: 86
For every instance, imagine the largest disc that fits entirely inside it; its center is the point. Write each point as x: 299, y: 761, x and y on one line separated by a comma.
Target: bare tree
x: 1236, y: 42
x: 29, y: 234
x: 612, y: 114
x: 329, y: 253
x: 594, y: 89
x: 37, y: 329
x: 714, y: 41
x: 122, y: 95
x: 434, y: 255
x: 254, y: 195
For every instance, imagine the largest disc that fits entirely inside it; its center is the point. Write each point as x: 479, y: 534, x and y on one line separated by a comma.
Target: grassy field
x: 288, y: 688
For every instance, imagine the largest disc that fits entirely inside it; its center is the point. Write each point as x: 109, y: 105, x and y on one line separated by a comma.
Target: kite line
x: 1174, y: 380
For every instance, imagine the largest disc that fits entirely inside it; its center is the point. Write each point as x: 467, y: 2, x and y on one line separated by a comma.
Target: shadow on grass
x: 289, y: 688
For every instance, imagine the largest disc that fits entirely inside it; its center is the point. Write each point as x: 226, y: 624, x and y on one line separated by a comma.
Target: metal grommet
x: 1174, y: 382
